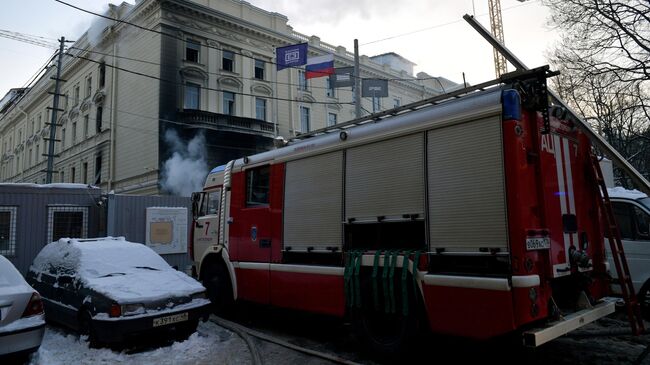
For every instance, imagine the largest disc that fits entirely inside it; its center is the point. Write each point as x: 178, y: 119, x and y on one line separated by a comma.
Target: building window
x: 86, y: 126
x: 259, y: 69
x: 29, y: 162
x: 102, y: 74
x: 62, y: 175
x: 66, y: 100
x: 396, y: 103
x: 304, y: 119
x: 98, y: 170
x: 89, y: 86
x: 331, y: 92
x: 228, y: 103
x: 74, y: 133
x: 8, y: 230
x: 192, y: 51
x: 37, y: 157
x: 67, y: 222
x: 192, y: 96
x: 257, y: 186
x: 98, y: 119
x: 260, y: 109
x: 376, y: 104
x: 62, y: 139
x: 302, y: 80
x: 228, y: 61
x: 73, y: 173
x: 76, y: 94
x: 84, y: 172
x: 331, y: 119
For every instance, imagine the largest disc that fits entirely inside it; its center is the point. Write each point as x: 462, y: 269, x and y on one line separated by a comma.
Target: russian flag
x: 319, y: 66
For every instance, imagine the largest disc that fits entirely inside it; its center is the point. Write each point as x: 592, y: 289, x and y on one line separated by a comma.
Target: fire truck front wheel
x: 218, y: 287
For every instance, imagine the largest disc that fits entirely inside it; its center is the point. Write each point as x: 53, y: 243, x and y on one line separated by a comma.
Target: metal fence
x: 33, y: 215
x: 127, y: 217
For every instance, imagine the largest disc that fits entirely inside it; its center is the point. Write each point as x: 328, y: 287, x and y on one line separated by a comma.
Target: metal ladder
x: 611, y: 229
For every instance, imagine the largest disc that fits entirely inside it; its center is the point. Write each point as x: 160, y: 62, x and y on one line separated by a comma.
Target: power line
x: 206, y: 88
x: 184, y: 40
x: 439, y: 25
x: 27, y: 38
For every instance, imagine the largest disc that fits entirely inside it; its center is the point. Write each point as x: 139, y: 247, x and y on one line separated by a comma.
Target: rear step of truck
x: 611, y: 229
x: 568, y: 323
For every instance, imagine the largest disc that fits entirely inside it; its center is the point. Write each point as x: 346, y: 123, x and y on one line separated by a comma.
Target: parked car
x: 632, y: 211
x: 22, y: 322
x: 113, y: 290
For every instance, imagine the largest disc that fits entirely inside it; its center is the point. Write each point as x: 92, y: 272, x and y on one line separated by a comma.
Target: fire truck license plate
x: 538, y: 243
x: 157, y: 322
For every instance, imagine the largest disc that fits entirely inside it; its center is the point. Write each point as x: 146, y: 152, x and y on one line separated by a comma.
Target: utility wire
x: 439, y: 25
x: 203, y: 45
x: 206, y: 88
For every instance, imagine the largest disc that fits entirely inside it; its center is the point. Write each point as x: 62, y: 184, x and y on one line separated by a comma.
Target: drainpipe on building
x: 111, y: 162
x: 22, y: 170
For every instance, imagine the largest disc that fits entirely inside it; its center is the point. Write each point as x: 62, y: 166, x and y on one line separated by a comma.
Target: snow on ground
x: 211, y: 344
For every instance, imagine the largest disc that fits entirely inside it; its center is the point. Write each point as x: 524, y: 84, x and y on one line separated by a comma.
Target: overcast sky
x: 440, y: 42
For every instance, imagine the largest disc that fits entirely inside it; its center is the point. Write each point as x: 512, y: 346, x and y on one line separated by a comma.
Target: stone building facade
x: 134, y: 98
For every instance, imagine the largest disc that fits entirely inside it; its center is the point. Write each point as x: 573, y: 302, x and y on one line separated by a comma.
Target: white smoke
x: 185, y: 171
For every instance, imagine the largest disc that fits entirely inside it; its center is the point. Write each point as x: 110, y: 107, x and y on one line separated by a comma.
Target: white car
x: 22, y: 322
x: 632, y: 210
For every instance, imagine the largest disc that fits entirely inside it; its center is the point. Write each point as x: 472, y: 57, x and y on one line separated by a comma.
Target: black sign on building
x: 377, y: 88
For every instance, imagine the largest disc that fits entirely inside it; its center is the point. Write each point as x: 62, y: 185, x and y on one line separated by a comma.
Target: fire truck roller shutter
x: 385, y: 179
x: 467, y: 187
x: 312, y: 215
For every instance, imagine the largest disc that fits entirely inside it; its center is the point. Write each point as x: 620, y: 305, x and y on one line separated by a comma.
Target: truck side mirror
x: 196, y: 198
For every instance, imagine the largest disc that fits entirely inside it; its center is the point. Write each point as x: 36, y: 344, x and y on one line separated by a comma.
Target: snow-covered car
x: 22, y: 322
x: 113, y: 290
x: 632, y: 211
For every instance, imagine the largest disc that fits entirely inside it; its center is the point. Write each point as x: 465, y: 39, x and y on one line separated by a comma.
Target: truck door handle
x: 265, y: 243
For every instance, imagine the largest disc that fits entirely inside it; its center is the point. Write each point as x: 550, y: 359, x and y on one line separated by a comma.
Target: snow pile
x: 620, y: 192
x: 211, y: 344
x: 122, y: 270
x: 53, y: 185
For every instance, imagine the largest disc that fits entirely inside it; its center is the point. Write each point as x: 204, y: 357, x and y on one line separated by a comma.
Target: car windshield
x: 645, y: 201
x: 9, y: 276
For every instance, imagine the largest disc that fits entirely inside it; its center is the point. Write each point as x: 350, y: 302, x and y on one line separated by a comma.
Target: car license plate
x: 538, y: 243
x: 162, y: 321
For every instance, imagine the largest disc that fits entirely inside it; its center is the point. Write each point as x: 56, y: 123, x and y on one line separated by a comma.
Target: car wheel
x: 644, y: 300
x: 216, y: 281
x: 86, y: 328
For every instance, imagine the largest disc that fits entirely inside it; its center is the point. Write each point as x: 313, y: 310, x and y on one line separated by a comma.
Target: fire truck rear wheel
x: 216, y: 281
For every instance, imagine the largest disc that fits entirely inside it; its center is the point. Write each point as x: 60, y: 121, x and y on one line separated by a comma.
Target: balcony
x: 224, y: 122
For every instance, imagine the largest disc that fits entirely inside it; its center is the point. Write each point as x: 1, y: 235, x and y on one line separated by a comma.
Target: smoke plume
x: 185, y: 171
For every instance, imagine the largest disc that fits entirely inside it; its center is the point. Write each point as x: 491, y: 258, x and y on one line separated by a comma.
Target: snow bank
x: 211, y: 344
x: 620, y: 192
x: 123, y: 270
x: 54, y: 185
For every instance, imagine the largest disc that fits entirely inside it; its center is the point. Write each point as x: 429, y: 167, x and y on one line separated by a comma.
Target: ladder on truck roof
x: 511, y: 77
x: 632, y: 306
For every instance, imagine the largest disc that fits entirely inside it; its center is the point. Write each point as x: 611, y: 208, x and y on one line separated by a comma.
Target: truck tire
x: 216, y: 280
x: 386, y: 335
x: 644, y: 300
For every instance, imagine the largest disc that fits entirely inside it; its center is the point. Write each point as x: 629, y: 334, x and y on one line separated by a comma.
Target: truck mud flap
x: 539, y: 336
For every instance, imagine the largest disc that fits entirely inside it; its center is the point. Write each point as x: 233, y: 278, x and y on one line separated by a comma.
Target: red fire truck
x: 473, y: 214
